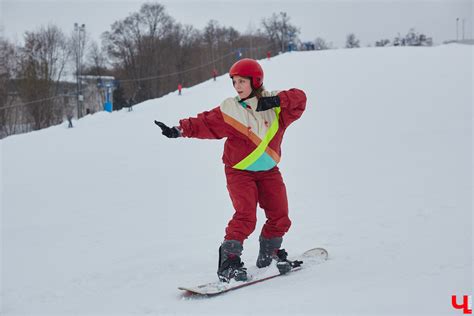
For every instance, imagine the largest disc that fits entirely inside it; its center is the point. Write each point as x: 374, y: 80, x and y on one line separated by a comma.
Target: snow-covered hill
x: 109, y: 217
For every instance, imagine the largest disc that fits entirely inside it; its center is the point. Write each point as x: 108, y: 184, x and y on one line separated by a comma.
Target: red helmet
x: 247, y: 67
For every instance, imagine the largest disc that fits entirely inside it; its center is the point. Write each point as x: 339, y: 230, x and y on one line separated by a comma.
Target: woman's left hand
x: 267, y: 103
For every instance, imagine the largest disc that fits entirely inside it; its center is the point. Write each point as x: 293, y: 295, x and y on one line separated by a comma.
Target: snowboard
x: 255, y: 275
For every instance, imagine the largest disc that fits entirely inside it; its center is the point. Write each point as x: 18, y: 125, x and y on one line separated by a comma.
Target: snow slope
x: 110, y: 217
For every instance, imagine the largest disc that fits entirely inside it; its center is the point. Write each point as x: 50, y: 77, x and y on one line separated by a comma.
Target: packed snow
x: 110, y: 217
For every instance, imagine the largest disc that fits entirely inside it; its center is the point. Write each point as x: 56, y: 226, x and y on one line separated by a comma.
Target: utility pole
x: 457, y: 32
x: 80, y: 32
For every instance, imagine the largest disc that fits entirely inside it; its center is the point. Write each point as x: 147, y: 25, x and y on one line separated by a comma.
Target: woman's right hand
x: 170, y: 132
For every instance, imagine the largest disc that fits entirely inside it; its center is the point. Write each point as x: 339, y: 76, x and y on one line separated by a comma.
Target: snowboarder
x: 254, y: 123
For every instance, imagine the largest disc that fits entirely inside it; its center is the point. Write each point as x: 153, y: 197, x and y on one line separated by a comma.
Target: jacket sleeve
x: 292, y: 104
x: 207, y: 125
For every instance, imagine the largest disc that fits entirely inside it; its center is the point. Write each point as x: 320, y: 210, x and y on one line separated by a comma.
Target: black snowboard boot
x: 230, y: 266
x: 270, y: 250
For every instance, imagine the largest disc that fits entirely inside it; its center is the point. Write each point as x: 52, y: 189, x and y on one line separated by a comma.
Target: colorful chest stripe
x: 263, y: 157
x: 258, y: 159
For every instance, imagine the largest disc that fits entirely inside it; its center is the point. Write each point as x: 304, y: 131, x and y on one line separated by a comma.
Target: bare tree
x: 413, y: 38
x: 382, y: 42
x: 220, y: 41
x: 185, y: 40
x: 9, y: 114
x: 42, y: 63
x: 97, y: 60
x: 352, y: 41
x: 280, y: 31
x: 210, y: 35
x: 320, y: 44
x: 134, y: 43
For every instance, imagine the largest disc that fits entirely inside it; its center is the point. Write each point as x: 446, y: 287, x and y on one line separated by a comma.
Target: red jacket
x: 244, y: 127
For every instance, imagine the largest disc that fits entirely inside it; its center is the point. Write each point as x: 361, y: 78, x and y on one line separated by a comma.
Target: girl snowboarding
x: 253, y: 124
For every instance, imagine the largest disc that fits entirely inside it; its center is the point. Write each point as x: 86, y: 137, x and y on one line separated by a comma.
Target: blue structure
x: 108, y: 104
x: 108, y: 87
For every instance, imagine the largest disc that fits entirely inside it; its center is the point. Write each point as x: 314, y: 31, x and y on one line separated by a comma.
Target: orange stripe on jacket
x: 251, y: 135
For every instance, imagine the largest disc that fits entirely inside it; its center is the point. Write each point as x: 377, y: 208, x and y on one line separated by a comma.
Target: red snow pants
x: 246, y: 189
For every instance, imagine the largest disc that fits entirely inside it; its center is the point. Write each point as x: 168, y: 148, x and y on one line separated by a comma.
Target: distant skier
x: 130, y: 104
x: 214, y: 73
x: 254, y: 123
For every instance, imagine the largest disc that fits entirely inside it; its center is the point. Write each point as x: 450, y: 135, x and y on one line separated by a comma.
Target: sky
x: 331, y: 20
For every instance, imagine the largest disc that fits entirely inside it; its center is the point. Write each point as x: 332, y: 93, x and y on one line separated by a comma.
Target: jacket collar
x: 251, y: 102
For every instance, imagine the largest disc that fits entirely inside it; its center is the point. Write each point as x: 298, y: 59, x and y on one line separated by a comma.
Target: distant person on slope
x: 254, y: 123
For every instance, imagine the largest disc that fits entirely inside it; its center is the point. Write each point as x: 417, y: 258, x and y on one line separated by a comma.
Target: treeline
x: 412, y: 38
x: 153, y: 53
x: 147, y: 52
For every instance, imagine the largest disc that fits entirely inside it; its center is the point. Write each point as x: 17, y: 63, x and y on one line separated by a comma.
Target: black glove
x: 267, y: 103
x: 170, y: 132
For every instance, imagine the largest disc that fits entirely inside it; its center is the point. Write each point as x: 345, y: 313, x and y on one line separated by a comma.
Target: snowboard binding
x: 283, y: 264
